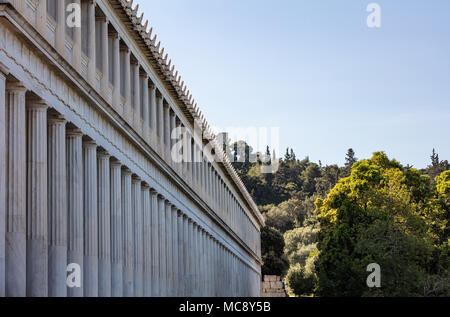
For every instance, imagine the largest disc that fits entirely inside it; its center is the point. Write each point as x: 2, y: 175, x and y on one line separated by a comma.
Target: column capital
x: 36, y: 103
x: 102, y: 153
x: 113, y: 35
x: 124, y: 48
x: 161, y: 197
x: 135, y: 179
x: 180, y: 213
x: 74, y: 132
x: 145, y: 186
x: 56, y: 118
x: 126, y: 170
x: 15, y: 86
x: 153, y: 192
x: 115, y: 163
x: 89, y: 143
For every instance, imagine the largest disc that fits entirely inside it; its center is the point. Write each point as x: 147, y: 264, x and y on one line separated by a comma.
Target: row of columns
x: 153, y: 116
x: 64, y: 200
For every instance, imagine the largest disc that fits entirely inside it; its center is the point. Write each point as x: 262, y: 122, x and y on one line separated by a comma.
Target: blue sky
x: 314, y: 69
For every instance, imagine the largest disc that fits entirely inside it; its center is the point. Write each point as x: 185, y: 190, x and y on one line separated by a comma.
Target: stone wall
x: 272, y: 286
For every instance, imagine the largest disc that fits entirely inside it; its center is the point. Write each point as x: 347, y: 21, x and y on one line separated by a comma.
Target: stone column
x: 190, y: 259
x: 127, y: 78
x: 92, y: 65
x: 3, y: 73
x: 60, y: 32
x: 145, y: 110
x: 153, y: 114
x: 104, y: 224
x: 74, y: 170
x: 57, y: 207
x: 159, y: 105
x: 147, y: 241
x: 105, y: 57
x: 195, y: 261
x: 41, y: 18
x: 116, y: 229
x: 180, y: 164
x: 127, y: 231
x: 37, y: 238
x: 136, y: 97
x: 166, y: 130
x: 76, y: 43
x: 169, y: 259
x: 174, y: 256
x: 116, y: 70
x: 155, y: 243
x: 15, y: 251
x: 201, y: 260
x: 171, y: 133
x: 186, y: 255
x: 136, y: 205
x: 180, y: 233
x: 162, y: 247
x: 90, y: 219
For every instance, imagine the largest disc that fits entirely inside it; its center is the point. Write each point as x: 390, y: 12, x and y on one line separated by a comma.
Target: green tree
x: 374, y: 216
x: 272, y: 245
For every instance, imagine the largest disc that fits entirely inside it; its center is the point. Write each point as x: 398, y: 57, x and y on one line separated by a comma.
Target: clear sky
x: 314, y: 69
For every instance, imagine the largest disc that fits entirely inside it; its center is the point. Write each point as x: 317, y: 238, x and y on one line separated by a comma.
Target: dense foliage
x: 325, y: 224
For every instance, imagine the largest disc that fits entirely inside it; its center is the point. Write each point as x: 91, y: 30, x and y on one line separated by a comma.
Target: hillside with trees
x: 325, y: 224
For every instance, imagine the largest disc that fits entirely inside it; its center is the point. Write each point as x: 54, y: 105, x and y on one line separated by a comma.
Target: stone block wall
x: 272, y: 286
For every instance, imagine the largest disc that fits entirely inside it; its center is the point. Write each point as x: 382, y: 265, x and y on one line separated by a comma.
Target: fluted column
x: 160, y: 113
x: 155, y: 243
x: 190, y: 256
x: 105, y: 56
x: 116, y: 69
x: 175, y: 275
x: 147, y: 241
x: 153, y: 114
x: 76, y: 42
x: 166, y: 131
x: 15, y: 191
x: 169, y: 245
x: 210, y: 266
x: 60, y: 32
x: 92, y: 65
x: 162, y: 247
x: 195, y: 261
x: 201, y: 275
x: 145, y: 110
x: 57, y: 207
x: 116, y: 229
x: 180, y: 260
x: 37, y: 238
x: 74, y: 169
x: 137, y: 96
x: 136, y: 206
x: 204, y: 265
x: 127, y: 221
x: 104, y: 224
x: 171, y: 133
x: 186, y: 255
x: 90, y: 219
x: 3, y: 73
x: 127, y: 78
